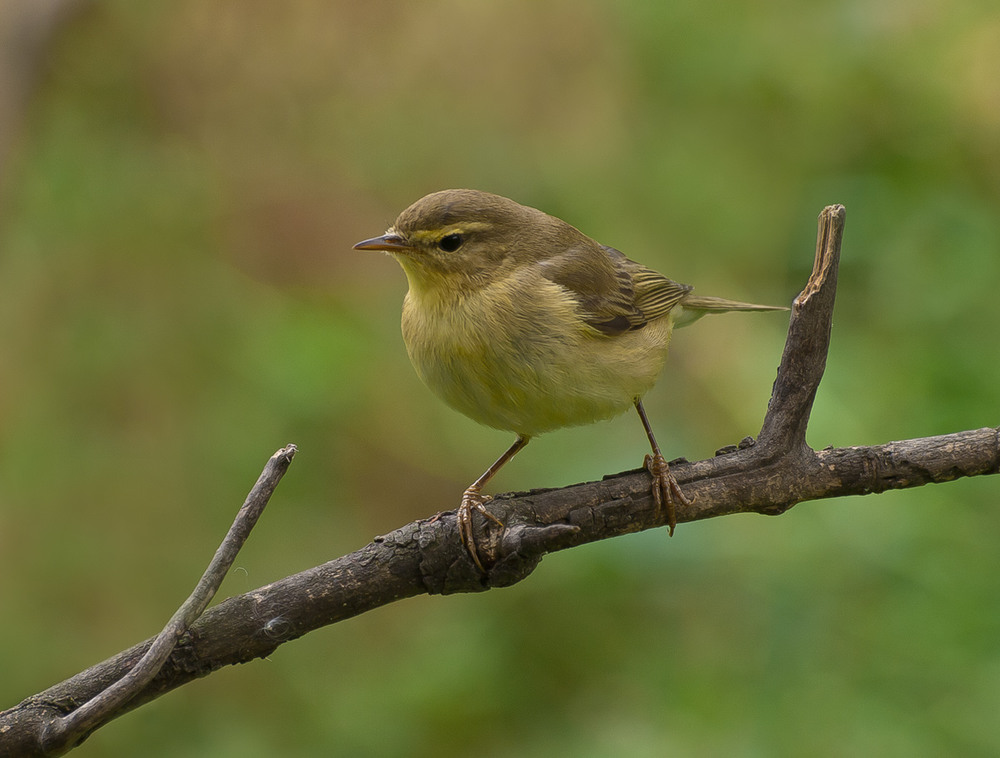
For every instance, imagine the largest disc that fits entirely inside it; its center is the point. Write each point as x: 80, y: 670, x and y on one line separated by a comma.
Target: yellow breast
x: 515, y: 355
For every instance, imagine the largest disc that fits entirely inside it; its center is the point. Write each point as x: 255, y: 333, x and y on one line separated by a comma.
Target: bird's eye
x: 451, y: 242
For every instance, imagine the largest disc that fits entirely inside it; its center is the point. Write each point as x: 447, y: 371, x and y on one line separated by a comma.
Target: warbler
x: 523, y: 323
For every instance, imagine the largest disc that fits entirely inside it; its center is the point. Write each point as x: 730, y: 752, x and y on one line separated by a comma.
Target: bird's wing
x: 615, y: 294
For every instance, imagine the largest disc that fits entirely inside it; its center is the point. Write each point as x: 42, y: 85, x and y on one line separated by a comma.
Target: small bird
x: 524, y: 323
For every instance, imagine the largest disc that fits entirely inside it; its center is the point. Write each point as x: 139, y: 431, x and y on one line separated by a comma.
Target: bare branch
x: 804, y: 359
x: 768, y: 476
x: 62, y: 733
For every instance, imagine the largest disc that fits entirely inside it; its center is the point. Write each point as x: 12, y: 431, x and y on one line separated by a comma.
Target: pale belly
x: 501, y: 368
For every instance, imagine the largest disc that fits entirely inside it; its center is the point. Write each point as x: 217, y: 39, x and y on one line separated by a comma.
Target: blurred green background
x: 178, y: 296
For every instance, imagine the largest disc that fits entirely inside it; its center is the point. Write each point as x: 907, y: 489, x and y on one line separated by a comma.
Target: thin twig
x: 63, y: 733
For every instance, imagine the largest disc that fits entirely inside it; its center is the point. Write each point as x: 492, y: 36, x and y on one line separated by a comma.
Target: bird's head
x: 466, y: 237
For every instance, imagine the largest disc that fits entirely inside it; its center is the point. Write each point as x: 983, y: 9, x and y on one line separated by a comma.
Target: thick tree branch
x: 767, y: 476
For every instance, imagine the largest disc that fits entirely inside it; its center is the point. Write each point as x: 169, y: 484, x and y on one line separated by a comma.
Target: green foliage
x: 180, y: 299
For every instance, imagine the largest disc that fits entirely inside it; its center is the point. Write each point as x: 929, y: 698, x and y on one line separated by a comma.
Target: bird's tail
x: 692, y: 307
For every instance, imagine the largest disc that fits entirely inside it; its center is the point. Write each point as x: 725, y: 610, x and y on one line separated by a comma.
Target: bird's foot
x: 666, y: 491
x: 473, y: 499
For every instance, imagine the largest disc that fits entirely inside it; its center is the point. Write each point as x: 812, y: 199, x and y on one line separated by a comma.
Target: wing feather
x: 615, y: 294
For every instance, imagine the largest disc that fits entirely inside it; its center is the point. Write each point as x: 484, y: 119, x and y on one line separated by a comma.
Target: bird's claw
x: 666, y: 491
x: 473, y: 499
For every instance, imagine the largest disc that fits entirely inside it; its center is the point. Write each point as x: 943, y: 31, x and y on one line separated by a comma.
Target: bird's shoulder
x: 614, y: 293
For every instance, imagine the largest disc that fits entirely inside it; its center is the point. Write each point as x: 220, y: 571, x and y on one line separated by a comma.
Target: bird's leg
x: 666, y: 491
x: 473, y: 498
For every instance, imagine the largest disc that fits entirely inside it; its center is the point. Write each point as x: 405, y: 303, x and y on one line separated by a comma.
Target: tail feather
x: 692, y: 307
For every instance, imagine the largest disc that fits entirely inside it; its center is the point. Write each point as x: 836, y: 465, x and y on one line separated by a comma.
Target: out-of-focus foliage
x: 178, y: 299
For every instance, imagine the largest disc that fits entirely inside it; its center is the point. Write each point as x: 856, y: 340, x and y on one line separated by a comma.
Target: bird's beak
x: 390, y: 243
